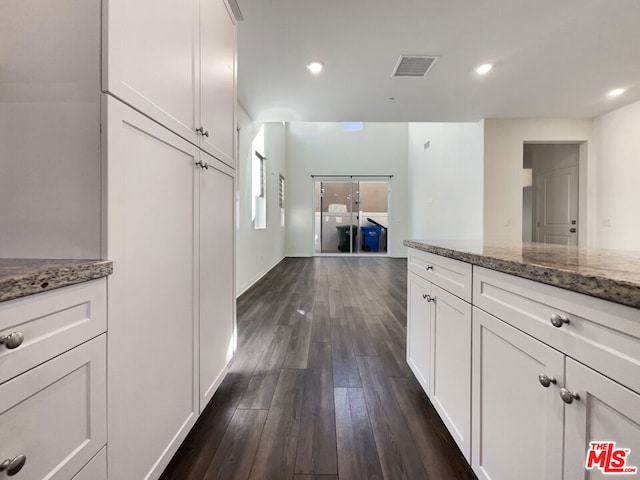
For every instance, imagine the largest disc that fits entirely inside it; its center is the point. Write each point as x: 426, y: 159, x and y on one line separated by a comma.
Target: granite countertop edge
x: 614, y: 290
x: 37, y: 276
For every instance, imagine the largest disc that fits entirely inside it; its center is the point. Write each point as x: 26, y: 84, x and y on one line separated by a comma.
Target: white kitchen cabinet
x: 419, y: 343
x: 604, y: 412
x: 218, y: 79
x: 450, y: 384
x: 96, y: 469
x: 439, y: 338
x: 174, y: 60
x: 151, y: 177
x: 171, y: 297
x: 51, y: 323
x: 517, y: 423
x: 151, y: 60
x: 217, y: 279
x: 55, y: 414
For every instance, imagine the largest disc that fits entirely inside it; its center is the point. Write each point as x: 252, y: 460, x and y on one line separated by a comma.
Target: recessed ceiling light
x: 315, y: 67
x: 484, y: 69
x: 616, y: 91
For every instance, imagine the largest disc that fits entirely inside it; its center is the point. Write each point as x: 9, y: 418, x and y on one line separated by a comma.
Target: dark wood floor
x: 319, y: 387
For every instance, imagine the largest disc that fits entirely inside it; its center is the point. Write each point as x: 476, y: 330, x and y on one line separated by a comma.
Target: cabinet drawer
x: 451, y: 275
x: 601, y: 334
x: 96, y: 469
x: 55, y: 414
x: 51, y: 323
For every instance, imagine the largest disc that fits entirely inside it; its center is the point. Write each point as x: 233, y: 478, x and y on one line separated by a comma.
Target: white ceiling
x: 552, y: 58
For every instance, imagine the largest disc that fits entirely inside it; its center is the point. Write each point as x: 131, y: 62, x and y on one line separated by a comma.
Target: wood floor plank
x: 298, y: 351
x: 392, y: 353
x: 315, y: 477
x: 399, y: 458
x: 362, y: 342
x: 440, y: 455
x: 317, y: 440
x: 237, y: 450
x: 276, y: 454
x: 345, y: 367
x: 263, y: 382
x: 357, y: 452
x: 321, y: 328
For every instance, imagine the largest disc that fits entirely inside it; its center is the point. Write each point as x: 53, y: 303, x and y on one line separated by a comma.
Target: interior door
x: 557, y: 206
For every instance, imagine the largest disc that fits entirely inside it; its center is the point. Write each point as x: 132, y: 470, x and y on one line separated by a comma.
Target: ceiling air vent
x: 413, y: 65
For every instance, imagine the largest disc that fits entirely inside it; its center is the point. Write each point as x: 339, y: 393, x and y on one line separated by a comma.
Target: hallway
x: 319, y: 387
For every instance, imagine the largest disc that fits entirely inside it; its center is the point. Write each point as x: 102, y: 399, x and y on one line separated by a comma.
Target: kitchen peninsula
x: 527, y: 351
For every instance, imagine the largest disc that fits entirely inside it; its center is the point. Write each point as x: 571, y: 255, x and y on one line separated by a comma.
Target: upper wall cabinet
x: 217, y: 80
x: 174, y: 60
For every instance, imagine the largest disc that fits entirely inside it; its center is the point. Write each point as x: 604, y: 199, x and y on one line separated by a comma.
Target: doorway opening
x: 551, y: 193
x: 351, y: 215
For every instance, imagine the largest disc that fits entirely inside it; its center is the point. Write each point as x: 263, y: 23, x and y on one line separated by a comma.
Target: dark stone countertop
x: 612, y: 275
x: 20, y: 277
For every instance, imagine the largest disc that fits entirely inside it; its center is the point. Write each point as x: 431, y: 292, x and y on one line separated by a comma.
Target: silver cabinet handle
x: 546, y: 380
x: 202, y: 131
x: 568, y: 396
x: 559, y: 320
x: 12, y: 340
x: 202, y: 165
x: 424, y: 295
x: 430, y: 298
x: 13, y: 466
x: 428, y: 267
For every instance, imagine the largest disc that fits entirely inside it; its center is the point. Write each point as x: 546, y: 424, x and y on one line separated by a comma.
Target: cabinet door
x: 217, y: 79
x: 151, y: 60
x: 419, y: 329
x: 153, y: 393
x: 451, y: 365
x: 605, y: 412
x: 217, y: 281
x: 55, y: 414
x: 517, y: 423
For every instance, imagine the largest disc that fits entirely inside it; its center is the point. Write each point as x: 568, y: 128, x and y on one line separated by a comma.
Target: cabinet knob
x: 568, y: 396
x: 13, y: 340
x: 12, y: 467
x: 429, y: 267
x: 430, y: 298
x: 424, y: 295
x: 546, y: 380
x: 559, y: 320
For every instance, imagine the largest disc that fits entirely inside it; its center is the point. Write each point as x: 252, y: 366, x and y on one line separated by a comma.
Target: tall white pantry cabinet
x: 168, y: 128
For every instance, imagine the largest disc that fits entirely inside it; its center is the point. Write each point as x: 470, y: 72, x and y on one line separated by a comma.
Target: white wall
x: 503, y: 155
x: 617, y: 174
x: 324, y: 148
x: 257, y: 251
x: 445, y: 180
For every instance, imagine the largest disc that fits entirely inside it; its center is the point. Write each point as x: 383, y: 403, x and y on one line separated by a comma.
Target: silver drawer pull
x: 546, y: 380
x: 11, y: 341
x: 558, y: 320
x: 12, y: 467
x: 428, y: 267
x: 430, y: 298
x: 568, y: 396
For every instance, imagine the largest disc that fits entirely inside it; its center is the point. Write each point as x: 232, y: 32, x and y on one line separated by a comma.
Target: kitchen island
x: 528, y: 352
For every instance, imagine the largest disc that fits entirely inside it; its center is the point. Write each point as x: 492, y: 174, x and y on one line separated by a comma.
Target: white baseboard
x: 257, y: 278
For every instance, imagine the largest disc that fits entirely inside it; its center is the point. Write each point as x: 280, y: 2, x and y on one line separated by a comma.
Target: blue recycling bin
x: 370, y: 238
